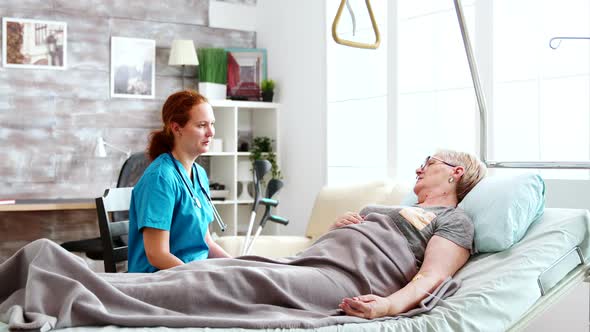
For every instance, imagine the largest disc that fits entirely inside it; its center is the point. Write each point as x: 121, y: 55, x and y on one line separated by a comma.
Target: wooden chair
x: 130, y: 173
x: 113, y: 200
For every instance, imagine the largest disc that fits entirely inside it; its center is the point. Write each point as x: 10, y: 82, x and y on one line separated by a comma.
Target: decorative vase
x: 267, y: 95
x: 213, y: 91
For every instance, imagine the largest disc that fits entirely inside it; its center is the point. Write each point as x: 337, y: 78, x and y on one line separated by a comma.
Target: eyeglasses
x: 425, y: 164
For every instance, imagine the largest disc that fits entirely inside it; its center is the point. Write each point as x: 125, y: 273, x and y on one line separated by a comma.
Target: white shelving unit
x: 231, y: 119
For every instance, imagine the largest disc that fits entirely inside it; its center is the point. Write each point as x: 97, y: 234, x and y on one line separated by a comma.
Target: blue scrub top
x: 162, y: 200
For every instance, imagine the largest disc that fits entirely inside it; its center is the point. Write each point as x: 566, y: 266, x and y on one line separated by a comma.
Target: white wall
x: 573, y: 194
x: 293, y: 32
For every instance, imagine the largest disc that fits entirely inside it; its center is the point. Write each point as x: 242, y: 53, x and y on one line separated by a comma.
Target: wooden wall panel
x: 37, y: 83
x: 13, y: 8
x: 23, y: 113
x: 27, y: 4
x: 88, y: 41
x: 34, y: 167
x: 19, y: 228
x: 112, y: 113
x: 192, y: 12
x: 245, y: 2
x: 30, y: 141
x: 165, y: 33
x: 170, y: 84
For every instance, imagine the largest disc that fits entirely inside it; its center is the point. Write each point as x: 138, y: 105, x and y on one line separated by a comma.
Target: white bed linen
x: 497, y: 289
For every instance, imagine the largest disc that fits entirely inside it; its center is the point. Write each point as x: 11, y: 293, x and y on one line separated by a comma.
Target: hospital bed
x: 500, y: 291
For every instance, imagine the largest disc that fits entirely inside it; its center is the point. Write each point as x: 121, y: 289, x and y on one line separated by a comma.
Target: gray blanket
x: 44, y: 286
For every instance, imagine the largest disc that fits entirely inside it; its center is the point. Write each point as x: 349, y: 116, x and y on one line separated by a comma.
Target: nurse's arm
x: 215, y: 250
x: 157, y: 248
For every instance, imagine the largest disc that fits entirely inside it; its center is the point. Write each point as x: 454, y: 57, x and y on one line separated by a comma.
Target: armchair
x: 330, y: 203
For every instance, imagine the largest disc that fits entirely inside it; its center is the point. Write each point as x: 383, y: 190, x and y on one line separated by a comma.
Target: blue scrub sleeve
x: 155, y: 203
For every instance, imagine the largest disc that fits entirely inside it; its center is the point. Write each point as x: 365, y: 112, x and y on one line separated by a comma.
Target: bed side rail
x: 559, y: 269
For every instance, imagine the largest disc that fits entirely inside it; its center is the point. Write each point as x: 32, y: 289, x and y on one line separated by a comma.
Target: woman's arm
x: 215, y: 250
x: 157, y: 248
x: 442, y: 258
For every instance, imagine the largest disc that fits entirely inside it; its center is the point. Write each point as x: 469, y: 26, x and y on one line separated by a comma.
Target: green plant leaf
x: 267, y: 85
x: 262, y: 149
x: 212, y: 65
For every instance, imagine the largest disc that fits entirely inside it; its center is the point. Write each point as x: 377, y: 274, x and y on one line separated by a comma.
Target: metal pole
x: 483, y: 114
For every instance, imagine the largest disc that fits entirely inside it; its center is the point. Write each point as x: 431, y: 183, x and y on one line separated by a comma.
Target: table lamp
x: 244, y: 177
x: 182, y: 53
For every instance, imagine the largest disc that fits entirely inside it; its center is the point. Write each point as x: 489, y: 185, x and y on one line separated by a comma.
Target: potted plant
x: 212, y: 72
x: 262, y: 149
x: 268, y: 88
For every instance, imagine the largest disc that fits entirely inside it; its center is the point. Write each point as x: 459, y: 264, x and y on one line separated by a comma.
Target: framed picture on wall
x: 34, y: 44
x: 246, y: 68
x: 133, y: 67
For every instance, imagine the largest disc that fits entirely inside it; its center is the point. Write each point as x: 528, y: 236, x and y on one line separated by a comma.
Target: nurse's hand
x: 215, y: 250
x: 366, y: 306
x: 349, y: 218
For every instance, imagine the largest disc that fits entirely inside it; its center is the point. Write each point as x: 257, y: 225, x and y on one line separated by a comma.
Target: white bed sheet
x: 497, y: 289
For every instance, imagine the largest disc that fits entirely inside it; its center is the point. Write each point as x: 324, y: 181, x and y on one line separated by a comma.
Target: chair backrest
x: 113, y: 200
x: 130, y: 173
x: 132, y: 169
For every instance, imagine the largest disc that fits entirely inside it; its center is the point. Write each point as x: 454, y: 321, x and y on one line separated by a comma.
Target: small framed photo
x: 246, y: 68
x: 30, y: 43
x: 133, y: 68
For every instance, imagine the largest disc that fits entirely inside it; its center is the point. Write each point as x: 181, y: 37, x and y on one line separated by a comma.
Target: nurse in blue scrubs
x: 169, y: 213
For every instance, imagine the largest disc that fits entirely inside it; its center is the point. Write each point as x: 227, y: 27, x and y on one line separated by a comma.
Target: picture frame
x: 28, y: 43
x: 133, y: 68
x: 246, y: 69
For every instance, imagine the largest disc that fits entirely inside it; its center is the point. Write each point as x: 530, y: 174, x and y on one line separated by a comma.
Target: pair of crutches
x: 261, y: 168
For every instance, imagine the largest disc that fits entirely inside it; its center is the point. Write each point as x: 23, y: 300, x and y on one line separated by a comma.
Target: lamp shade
x: 99, y: 150
x: 244, y: 170
x: 183, y: 53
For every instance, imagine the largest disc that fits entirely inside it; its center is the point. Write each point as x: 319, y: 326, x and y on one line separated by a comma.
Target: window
x: 357, y: 97
x: 436, y: 102
x: 537, y: 97
x: 540, y: 95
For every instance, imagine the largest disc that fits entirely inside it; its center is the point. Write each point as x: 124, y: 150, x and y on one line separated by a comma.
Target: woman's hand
x: 349, y: 218
x: 366, y: 306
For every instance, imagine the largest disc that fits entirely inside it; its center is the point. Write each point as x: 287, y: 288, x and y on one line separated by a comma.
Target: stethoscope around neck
x: 196, y: 201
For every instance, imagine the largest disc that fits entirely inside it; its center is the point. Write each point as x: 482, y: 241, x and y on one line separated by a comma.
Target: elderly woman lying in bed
x: 439, y: 235
x: 395, y: 256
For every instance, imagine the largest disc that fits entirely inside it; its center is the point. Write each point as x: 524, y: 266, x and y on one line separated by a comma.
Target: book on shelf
x: 7, y: 201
